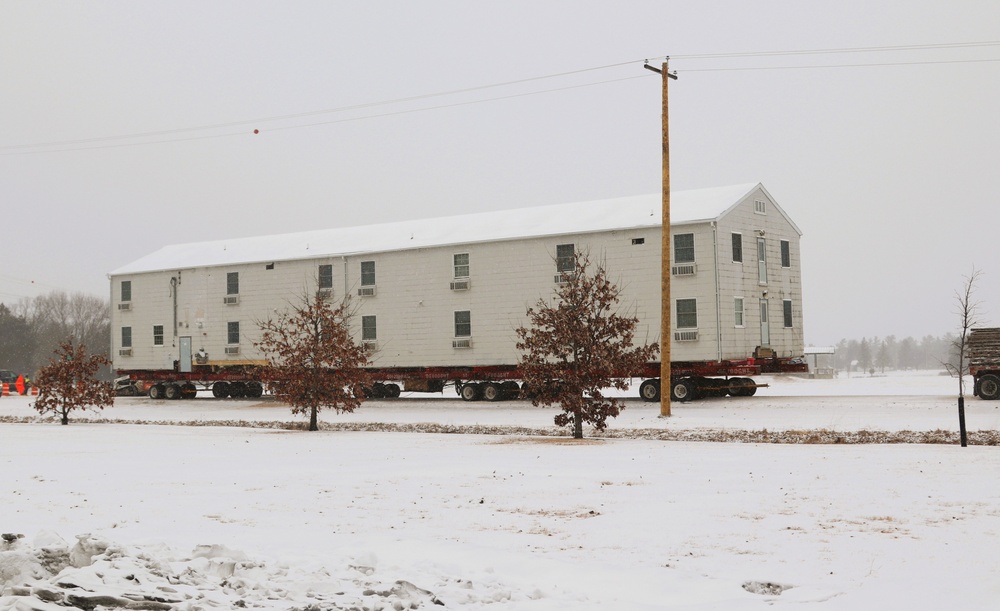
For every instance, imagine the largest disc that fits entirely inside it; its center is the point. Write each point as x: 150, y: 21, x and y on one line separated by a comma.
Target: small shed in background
x: 820, y: 360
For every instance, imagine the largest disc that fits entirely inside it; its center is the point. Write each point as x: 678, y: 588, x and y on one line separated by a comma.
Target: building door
x: 185, y: 357
x: 765, y: 326
x: 761, y: 260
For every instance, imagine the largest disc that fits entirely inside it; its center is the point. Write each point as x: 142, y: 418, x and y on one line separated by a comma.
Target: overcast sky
x: 127, y: 126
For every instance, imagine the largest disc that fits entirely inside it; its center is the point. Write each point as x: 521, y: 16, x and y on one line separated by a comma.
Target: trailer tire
x: 750, y: 387
x: 156, y: 391
x: 491, y: 392
x: 238, y: 390
x: 392, y: 391
x: 220, y: 390
x: 683, y: 390
x: 471, y: 392
x: 989, y: 387
x: 510, y: 390
x: 255, y: 390
x: 649, y: 390
x: 172, y: 391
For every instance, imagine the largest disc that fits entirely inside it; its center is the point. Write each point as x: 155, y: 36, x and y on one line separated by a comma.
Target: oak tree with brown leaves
x: 579, y: 346
x: 68, y: 382
x: 313, y: 363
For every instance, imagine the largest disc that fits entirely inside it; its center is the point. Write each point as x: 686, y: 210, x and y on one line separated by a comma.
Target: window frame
x: 369, y: 328
x: 786, y: 314
x: 739, y: 312
x: 786, y: 253
x: 760, y: 206
x: 233, y: 330
x: 565, y: 263
x: 126, y: 337
x: 126, y: 291
x: 463, y: 323
x: 457, y: 267
x: 678, y: 249
x: 685, y: 318
x: 232, y: 283
x: 158, y: 337
x: 324, y: 276
x: 368, y: 275
x: 737, y: 241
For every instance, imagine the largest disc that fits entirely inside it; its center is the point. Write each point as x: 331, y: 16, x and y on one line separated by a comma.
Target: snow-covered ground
x: 219, y: 517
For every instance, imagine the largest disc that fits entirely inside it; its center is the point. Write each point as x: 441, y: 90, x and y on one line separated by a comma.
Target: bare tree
x: 68, y: 382
x: 580, y: 346
x: 313, y: 363
x: 968, y: 314
x: 968, y: 317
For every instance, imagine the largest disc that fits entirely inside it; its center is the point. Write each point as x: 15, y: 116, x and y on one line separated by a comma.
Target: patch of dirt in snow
x: 51, y: 575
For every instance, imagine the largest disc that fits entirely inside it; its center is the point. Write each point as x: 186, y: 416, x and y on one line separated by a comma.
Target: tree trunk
x: 313, y: 421
x: 65, y: 417
x: 577, y: 424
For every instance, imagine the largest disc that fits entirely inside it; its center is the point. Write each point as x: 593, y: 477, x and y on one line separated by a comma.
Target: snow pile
x: 49, y: 575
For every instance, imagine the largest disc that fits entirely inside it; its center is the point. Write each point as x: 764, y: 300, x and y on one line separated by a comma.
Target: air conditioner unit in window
x: 232, y: 349
x: 685, y: 336
x: 125, y: 352
x: 325, y: 293
x: 461, y: 343
x: 460, y: 285
x: 366, y: 291
x: 684, y: 270
x: 231, y: 299
x: 561, y: 278
x: 125, y: 306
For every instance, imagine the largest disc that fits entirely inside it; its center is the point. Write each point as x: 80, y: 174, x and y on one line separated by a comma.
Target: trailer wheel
x: 392, y: 391
x: 491, y: 391
x: 749, y: 387
x: 471, y: 391
x: 255, y: 390
x: 220, y: 390
x: 682, y: 390
x: 156, y: 391
x: 510, y: 390
x: 172, y: 391
x: 238, y: 390
x: 989, y: 387
x: 649, y: 390
x: 189, y: 391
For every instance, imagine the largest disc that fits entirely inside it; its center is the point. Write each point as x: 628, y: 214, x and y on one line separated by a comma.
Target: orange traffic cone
x: 6, y: 389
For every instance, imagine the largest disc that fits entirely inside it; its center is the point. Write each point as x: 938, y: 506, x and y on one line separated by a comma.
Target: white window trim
x: 743, y: 312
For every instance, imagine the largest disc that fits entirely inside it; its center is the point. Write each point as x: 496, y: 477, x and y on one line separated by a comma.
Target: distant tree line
x: 32, y: 330
x: 889, y: 353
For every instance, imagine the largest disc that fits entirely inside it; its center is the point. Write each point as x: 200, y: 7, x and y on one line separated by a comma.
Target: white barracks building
x: 451, y: 291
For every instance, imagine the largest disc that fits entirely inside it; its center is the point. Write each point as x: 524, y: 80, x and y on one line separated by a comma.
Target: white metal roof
x: 561, y: 219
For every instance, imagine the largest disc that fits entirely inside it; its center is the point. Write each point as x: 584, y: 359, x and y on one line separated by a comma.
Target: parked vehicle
x: 984, y: 362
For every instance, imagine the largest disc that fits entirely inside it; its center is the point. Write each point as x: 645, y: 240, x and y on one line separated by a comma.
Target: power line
x: 114, y: 141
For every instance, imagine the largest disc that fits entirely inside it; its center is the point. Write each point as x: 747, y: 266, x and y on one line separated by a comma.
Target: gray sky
x: 889, y: 169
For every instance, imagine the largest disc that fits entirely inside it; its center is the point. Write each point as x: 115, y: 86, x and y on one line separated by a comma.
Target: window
x: 638, y: 241
x: 738, y: 310
x: 687, y: 313
x: 461, y: 265
x: 326, y: 276
x: 126, y: 337
x: 463, y: 324
x: 368, y: 329
x: 787, y: 311
x: 737, y: 248
x: 684, y: 248
x: 786, y: 254
x: 565, y: 258
x: 233, y: 332
x: 233, y: 283
x: 762, y: 260
x: 126, y: 290
x: 157, y: 335
x: 367, y: 273
x: 759, y: 206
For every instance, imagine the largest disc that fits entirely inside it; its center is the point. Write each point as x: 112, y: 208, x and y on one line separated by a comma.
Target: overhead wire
x: 114, y: 141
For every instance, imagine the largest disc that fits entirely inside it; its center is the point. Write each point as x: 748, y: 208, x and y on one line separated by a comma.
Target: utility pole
x: 666, y: 334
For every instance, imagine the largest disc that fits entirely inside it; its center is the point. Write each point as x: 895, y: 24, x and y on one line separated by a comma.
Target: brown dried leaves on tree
x: 313, y: 364
x: 575, y: 349
x: 67, y: 383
